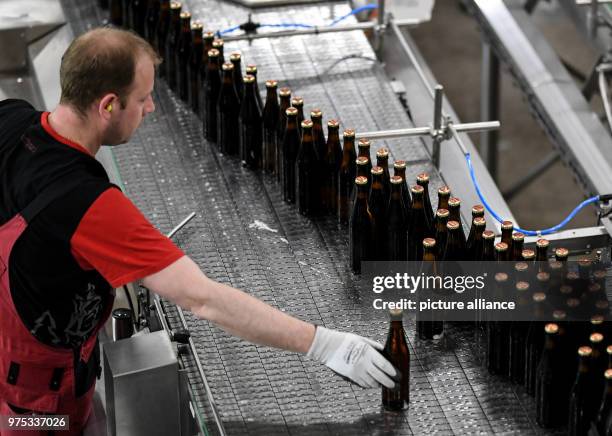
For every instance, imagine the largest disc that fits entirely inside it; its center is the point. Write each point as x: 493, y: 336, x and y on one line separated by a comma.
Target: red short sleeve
x: 115, y: 239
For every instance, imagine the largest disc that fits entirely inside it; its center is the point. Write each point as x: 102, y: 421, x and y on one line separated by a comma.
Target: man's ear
x: 107, y: 104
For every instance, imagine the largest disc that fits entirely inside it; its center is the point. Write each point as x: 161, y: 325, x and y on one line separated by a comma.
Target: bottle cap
x: 444, y: 190
x: 452, y: 225
x: 559, y: 314
x: 285, y: 92
x: 399, y: 165
x: 218, y: 43
x: 364, y: 143
x: 251, y: 69
x: 228, y: 66
x: 248, y: 79
x: 396, y: 314
x: 271, y: 83
x: 596, y: 338
x: 306, y: 124
x: 213, y: 53
x: 528, y: 254
x: 442, y: 213
x: 608, y: 374
x: 501, y: 277
x: 333, y: 124
x: 209, y: 35
x: 382, y: 153
x: 197, y: 25
x: 609, y: 349
x: 185, y: 15
x: 478, y: 209
x: 396, y: 180
x: 599, y: 274
x: 542, y: 243
x: 562, y: 252
x: 521, y: 266
x: 479, y: 221
x: 551, y: 328
x: 417, y: 189
x: 542, y: 276
x: 572, y: 276
x: 584, y: 262
x: 454, y: 202
x: 297, y: 101
x: 488, y: 234
x: 362, y: 160
x: 518, y: 236
x: 316, y: 113
x: 361, y: 180
x: 377, y: 171
x: 585, y: 351
x: 572, y: 303
x: 522, y: 286
x: 235, y: 56
x: 538, y: 297
x: 501, y: 246
x: 429, y: 242
x: 291, y: 112
x: 422, y: 178
x: 507, y: 225
x: 175, y: 5
x: 348, y: 133
x: 597, y: 319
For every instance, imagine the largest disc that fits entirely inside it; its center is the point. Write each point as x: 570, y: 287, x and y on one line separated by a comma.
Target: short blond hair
x: 99, y: 62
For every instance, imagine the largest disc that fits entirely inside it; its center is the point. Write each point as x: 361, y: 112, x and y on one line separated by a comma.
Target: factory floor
x: 451, y: 45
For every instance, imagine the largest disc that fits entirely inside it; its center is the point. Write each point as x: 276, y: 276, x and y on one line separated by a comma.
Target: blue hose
x: 548, y: 231
x: 353, y: 12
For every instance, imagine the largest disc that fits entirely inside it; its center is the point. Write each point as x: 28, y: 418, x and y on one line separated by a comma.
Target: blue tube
x: 353, y: 12
x: 229, y: 30
x: 548, y: 231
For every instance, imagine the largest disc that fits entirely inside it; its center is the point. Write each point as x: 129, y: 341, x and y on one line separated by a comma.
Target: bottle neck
x: 271, y: 95
x: 349, y: 147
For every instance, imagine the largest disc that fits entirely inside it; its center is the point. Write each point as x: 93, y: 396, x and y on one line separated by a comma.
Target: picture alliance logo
x: 413, y: 283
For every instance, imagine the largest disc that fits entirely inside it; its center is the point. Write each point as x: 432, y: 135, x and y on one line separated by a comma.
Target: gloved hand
x: 352, y: 356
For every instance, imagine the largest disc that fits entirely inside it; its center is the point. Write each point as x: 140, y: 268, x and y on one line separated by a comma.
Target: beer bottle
x: 478, y: 210
x: 235, y: 59
x: 346, y: 175
x: 382, y: 160
x: 583, y: 399
x: 475, y: 243
x: 161, y: 31
x: 603, y: 421
x: 151, y: 19
x: 307, y: 173
x: 501, y: 252
x: 518, y: 241
x: 418, y: 227
x: 333, y: 159
x: 207, y: 38
x: 600, y: 358
x: 444, y: 194
x: 609, y: 353
x: 378, y: 209
x: 360, y: 225
x: 549, y: 403
x: 542, y: 250
x: 454, y: 208
x: 194, y: 80
x: 219, y: 44
x: 423, y: 180
x: 270, y: 122
x: 561, y: 254
x: 364, y: 168
x: 116, y: 12
x: 399, y: 169
x: 319, y: 136
x: 182, y: 55
x: 396, y: 351
x: 455, y: 248
x: 251, y: 126
x: 171, y: 44
x: 228, y: 110
x: 298, y: 103
x: 397, y: 236
x: 426, y: 326
x: 252, y: 70
x: 488, y: 246
x: 212, y: 87
x: 291, y: 145
x: 507, y: 229
x: 441, y: 231
x: 498, y: 336
x: 518, y: 335
x: 534, y: 342
x: 285, y: 103
x: 363, y: 150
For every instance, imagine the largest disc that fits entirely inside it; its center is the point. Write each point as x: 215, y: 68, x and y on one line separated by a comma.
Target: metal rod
x: 421, y: 131
x: 490, y: 108
x: 313, y: 31
x: 381, y: 26
x: 181, y: 225
x: 536, y: 171
x: 590, y: 2
x: 603, y: 88
x: 437, y: 124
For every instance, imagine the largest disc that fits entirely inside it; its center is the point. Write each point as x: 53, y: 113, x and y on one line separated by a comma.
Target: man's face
x: 137, y: 104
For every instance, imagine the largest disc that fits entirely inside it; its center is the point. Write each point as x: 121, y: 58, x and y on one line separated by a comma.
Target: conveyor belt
x: 245, y: 236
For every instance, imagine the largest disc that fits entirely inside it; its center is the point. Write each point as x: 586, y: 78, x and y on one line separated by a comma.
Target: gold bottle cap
x: 608, y: 374
x: 478, y: 209
x: 602, y: 304
x: 217, y: 43
x: 417, y: 189
x: 518, y: 236
x: 235, y: 56
x: 501, y: 246
x: 271, y: 83
x: 555, y: 265
x: 291, y: 112
x: 185, y: 15
x: 551, y: 328
x: 444, y: 190
x: 175, y: 5
x: 251, y: 69
x: 429, y: 242
x: 423, y: 178
x: 585, y: 351
x: 572, y: 275
x: 501, y: 277
x: 543, y: 243
x: 213, y: 53
x: 594, y: 287
x: 364, y: 143
x: 572, y: 302
x: 399, y: 165
x: 452, y: 225
x: 522, y: 286
x: 521, y: 266
x: 442, y: 213
x: 543, y: 276
x: 559, y: 314
x: 248, y: 79
x: 209, y: 35
x: 609, y: 349
x: 348, y: 133
x: 306, y: 124
x: 297, y: 102
x: 362, y: 160
x: 538, y: 297
x: 599, y: 274
x: 507, y: 225
x: 382, y: 153
x: 377, y: 171
x: 396, y: 180
x: 597, y: 319
x: 454, y: 202
x: 228, y: 66
x: 396, y: 314
x: 596, y: 338
x: 565, y: 289
x: 561, y: 252
x: 361, y: 180
x: 584, y: 262
x: 488, y: 234
x: 316, y: 113
x: 333, y: 124
x: 285, y: 92
x: 479, y: 221
x: 197, y: 25
x: 528, y: 254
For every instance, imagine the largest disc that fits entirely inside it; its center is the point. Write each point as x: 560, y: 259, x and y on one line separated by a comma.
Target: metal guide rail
x: 245, y: 236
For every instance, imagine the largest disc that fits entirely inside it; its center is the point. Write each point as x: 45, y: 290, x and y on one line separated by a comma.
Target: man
x: 68, y: 236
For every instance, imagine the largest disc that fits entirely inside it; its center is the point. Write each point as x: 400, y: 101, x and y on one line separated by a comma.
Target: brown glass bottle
x: 252, y: 70
x: 426, y: 326
x: 603, y: 421
x: 228, y: 109
x: 251, y: 126
x: 399, y: 169
x: 285, y: 103
x: 518, y: 242
x: 583, y: 399
x: 219, y: 44
x: 454, y: 208
x: 455, y: 248
x: 171, y: 44
x: 207, y: 38
x: 507, y: 229
x: 360, y: 226
x: 501, y: 252
x: 488, y: 246
x: 270, y: 122
x: 194, y: 80
x: 423, y: 180
x: 534, y: 341
x: 298, y: 103
x: 161, y: 32
x: 478, y: 210
x: 444, y: 194
x: 475, y: 243
x: 377, y: 205
x: 418, y: 227
x: 319, y: 136
x: 363, y: 150
x: 382, y: 160
x: 307, y: 173
x: 291, y: 146
x: 397, y: 223
x: 183, y: 53
x: 600, y: 358
x: 498, y: 346
x: 331, y: 168
x: 236, y: 60
x: 151, y: 19
x: 561, y: 254
x: 397, y: 352
x: 518, y: 336
x: 116, y: 12
x: 549, y: 402
x: 212, y: 87
x: 441, y: 233
x: 346, y: 175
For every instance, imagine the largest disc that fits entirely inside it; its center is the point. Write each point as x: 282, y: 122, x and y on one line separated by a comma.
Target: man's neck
x: 66, y: 122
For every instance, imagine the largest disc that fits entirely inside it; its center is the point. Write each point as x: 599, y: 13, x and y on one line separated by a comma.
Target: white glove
x: 352, y: 356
